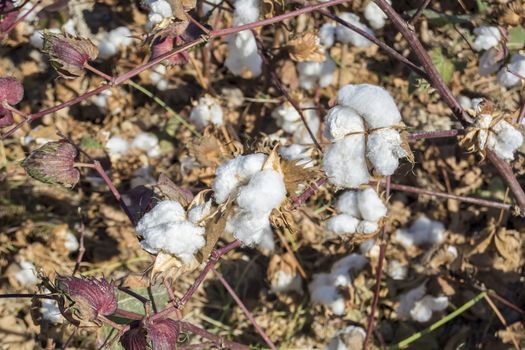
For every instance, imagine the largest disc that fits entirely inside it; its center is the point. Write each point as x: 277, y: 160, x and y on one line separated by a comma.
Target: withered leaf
x: 508, y: 245
x: 208, y: 151
x: 173, y: 192
x: 214, y: 230
x: 295, y: 175
x: 169, y: 265
x: 306, y: 47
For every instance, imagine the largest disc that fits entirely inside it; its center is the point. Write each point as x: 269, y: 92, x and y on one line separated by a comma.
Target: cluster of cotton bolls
x: 158, y: 11
x: 324, y: 288
x: 488, y: 39
x: 168, y: 228
x: 419, y: 306
x: 358, y: 212
x: 362, y: 127
x: 498, y: 135
x: 147, y: 142
x: 207, y: 111
x: 422, y: 232
x: 243, y: 58
x: 257, y: 189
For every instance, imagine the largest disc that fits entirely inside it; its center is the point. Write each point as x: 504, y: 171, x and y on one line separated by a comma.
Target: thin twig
x: 81, y: 248
x: 219, y: 341
x: 502, y: 320
x: 244, y: 309
x: 419, y: 11
x: 434, y: 134
x: 19, y: 295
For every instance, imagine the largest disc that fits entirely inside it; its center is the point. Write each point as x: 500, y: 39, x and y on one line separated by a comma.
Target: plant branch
x: 244, y: 309
x: 219, y: 341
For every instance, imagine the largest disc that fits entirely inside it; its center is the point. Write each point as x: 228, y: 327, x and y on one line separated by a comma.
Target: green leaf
x: 444, y: 65
x: 87, y: 142
x: 516, y: 38
x: 483, y: 6
x: 157, y: 294
x: 106, y: 334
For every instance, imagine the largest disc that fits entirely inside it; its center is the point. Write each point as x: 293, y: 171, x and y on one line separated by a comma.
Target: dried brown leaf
x: 209, y: 150
x: 295, y: 175
x: 167, y: 265
x: 306, y: 47
x: 173, y: 192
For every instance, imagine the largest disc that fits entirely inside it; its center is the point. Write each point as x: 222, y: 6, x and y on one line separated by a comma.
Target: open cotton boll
x: 199, y: 212
x: 502, y: 137
x: 324, y: 293
x: 342, y: 224
x: 50, y: 311
x: 234, y: 173
x: 349, y: 338
x: 489, y: 62
x: 165, y: 228
x: 243, y: 58
x: 111, y: 42
x: 347, y: 204
x: 286, y: 282
x: 371, y: 102
x: 264, y: 192
x: 408, y: 299
x: 506, y: 76
x: 350, y: 263
x: 117, y: 146
x: 287, y: 118
x: 326, y: 35
x: 396, y: 270
x: 422, y: 310
x: 370, y: 205
x: 246, y: 11
x: 313, y: 74
x: 384, y: 150
x: 208, y: 110
x: 147, y: 142
x: 341, y: 121
x: 248, y: 228
x: 157, y: 77
x: 26, y: 276
x: 486, y: 37
x: 374, y: 15
x: 348, y: 36
x: 297, y: 152
x: 422, y: 232
x: 350, y: 150
x: 71, y: 242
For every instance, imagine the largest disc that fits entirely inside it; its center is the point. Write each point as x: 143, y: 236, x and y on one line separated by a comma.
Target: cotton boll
x: 370, y: 206
x: 50, y: 311
x: 71, y: 242
x: 367, y: 227
x: 341, y: 121
x: 161, y: 7
x: 286, y: 282
x: 249, y: 229
x: 384, y: 148
x: 422, y: 310
x: 234, y: 173
x: 117, y: 146
x: 321, y: 292
x: 501, y: 137
x: 486, y: 37
x: 110, y: 42
x: 326, y: 35
x: 207, y: 111
x: 246, y: 11
x: 349, y: 338
x: 298, y: 153
x: 396, y: 270
x: 184, y: 239
x: 489, y: 62
x: 264, y: 192
x: 346, y: 35
x: 342, y: 224
x: 243, y: 58
x: 422, y: 232
x: 375, y: 16
x: 506, y: 76
x: 26, y: 276
x: 347, y: 204
x: 312, y: 74
x: 157, y: 77
x: 371, y: 102
x: 163, y: 213
x: 350, y: 150
x: 266, y: 240
x: 408, y: 300
x: 147, y: 142
x: 290, y: 121
x: 464, y: 101
x: 353, y: 262
x: 106, y: 49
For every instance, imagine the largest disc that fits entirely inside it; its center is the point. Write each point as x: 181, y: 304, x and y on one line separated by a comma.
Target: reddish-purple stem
x: 244, y: 309
x: 434, y: 134
x: 219, y: 341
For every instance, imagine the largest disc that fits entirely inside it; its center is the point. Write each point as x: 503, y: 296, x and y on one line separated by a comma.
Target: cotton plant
x: 169, y: 228
x: 357, y: 212
x: 362, y: 128
x: 243, y: 58
x: 325, y: 287
x: 419, y: 306
x: 256, y: 188
x: 511, y: 75
x: 422, y: 232
x: 206, y: 111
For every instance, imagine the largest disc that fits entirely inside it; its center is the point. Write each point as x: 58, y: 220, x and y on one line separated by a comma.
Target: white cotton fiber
x: 408, y: 299
x: 326, y: 35
x: 342, y: 155
x: 208, y: 110
x: 199, y: 212
x: 26, y: 276
x: 243, y: 58
x: 384, y: 150
x: 50, y: 311
x: 488, y: 62
x: 111, y: 42
x: 342, y: 224
x: 71, y: 242
x: 299, y: 153
x: 422, y: 232
x: 370, y: 205
x: 246, y: 11
x: 422, y: 309
x: 341, y: 121
x: 371, y: 102
x: 284, y: 282
x: 506, y: 76
x: 248, y: 228
x: 165, y: 228
x: 234, y: 173
x: 367, y: 227
x: 502, y: 138
x: 374, y: 15
x: 396, y: 270
x: 347, y: 204
x: 287, y: 117
x: 265, y: 191
x: 346, y: 338
x: 147, y: 142
x: 117, y: 146
x: 486, y: 37
x: 346, y: 35
x: 313, y: 74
